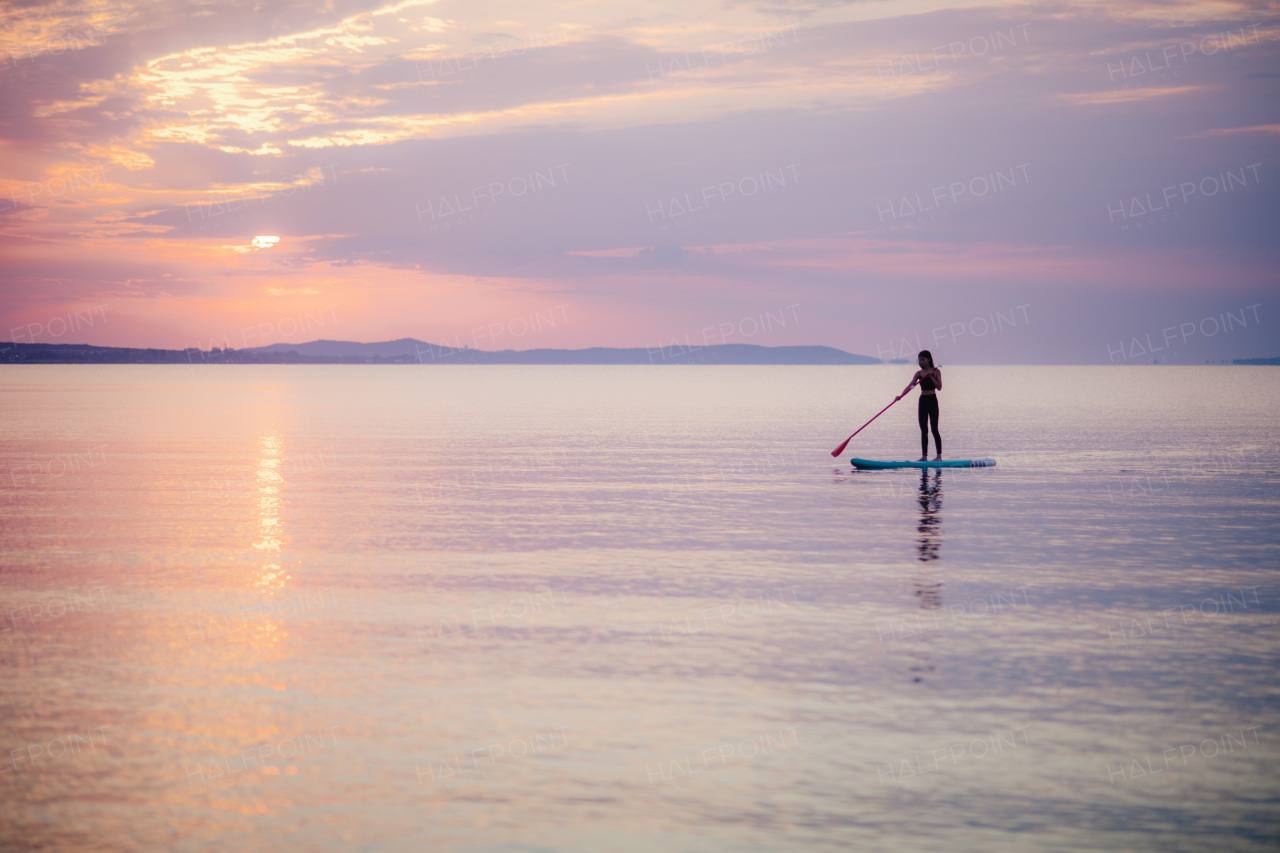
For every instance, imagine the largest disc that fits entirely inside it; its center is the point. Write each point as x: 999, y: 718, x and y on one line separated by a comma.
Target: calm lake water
x: 417, y: 608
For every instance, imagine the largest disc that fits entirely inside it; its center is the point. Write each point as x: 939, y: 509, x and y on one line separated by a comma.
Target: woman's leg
x: 933, y: 416
x: 922, y: 413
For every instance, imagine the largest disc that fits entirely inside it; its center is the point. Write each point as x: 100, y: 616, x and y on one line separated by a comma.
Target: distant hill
x: 411, y: 351
x: 347, y: 349
x: 1257, y: 361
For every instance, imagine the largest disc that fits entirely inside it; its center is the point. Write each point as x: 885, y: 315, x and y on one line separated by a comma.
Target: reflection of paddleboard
x: 944, y: 463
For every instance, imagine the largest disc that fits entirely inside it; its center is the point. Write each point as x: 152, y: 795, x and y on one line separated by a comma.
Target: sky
x: 1065, y: 182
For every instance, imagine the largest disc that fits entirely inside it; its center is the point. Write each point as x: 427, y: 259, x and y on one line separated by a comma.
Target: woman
x: 930, y: 379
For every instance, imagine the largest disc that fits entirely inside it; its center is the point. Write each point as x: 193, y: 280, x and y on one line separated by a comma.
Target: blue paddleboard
x: 874, y: 464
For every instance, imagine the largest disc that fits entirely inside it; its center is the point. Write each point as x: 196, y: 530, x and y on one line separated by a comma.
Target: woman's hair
x: 928, y: 355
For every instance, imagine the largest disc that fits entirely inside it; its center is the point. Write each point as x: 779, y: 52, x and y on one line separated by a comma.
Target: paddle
x: 845, y: 443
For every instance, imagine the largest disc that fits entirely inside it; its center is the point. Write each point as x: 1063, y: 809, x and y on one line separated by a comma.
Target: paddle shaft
x: 845, y: 443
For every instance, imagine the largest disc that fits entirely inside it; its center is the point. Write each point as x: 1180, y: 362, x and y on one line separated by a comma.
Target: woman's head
x: 926, y: 359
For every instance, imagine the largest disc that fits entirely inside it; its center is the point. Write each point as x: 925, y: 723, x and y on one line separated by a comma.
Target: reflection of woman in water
x: 926, y: 586
x: 930, y: 379
x: 930, y: 524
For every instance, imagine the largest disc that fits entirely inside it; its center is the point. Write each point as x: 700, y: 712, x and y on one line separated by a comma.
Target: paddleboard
x: 875, y: 464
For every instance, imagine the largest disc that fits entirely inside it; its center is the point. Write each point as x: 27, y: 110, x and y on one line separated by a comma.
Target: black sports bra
x: 927, y: 383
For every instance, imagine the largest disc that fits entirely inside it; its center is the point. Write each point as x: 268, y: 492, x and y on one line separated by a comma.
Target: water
x: 627, y: 608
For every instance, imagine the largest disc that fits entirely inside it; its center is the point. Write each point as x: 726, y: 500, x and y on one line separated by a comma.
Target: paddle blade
x: 842, y: 446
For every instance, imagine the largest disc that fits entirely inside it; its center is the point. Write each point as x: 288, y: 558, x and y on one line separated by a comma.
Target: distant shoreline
x: 395, y: 352
x: 410, y: 351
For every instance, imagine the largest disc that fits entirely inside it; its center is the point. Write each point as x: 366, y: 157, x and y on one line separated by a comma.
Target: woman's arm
x: 910, y: 385
x: 937, y: 377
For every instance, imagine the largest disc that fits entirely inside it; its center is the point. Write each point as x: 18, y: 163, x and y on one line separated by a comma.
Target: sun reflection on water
x: 270, y: 524
x: 268, y: 633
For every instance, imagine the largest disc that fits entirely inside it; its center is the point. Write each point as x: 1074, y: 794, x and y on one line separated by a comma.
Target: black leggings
x: 929, y: 411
